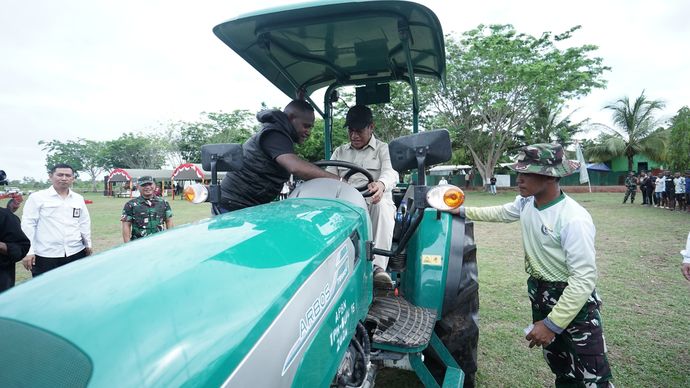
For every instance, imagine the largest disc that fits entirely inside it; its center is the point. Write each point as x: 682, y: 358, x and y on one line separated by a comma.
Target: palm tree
x: 547, y: 126
x: 637, y: 132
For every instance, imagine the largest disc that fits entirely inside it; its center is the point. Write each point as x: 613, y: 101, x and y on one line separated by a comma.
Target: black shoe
x: 382, y: 280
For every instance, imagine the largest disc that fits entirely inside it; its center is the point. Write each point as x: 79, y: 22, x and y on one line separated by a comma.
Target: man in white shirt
x: 372, y: 154
x: 57, y: 223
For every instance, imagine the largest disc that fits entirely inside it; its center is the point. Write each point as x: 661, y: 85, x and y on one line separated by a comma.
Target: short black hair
x: 10, y: 202
x: 61, y: 165
x: 299, y: 106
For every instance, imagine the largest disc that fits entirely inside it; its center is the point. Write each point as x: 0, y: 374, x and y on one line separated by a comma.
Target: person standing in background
x: 147, y: 214
x: 631, y: 187
x: 57, y: 223
x: 14, y: 245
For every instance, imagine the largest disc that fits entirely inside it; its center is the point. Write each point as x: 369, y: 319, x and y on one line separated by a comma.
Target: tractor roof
x: 313, y: 45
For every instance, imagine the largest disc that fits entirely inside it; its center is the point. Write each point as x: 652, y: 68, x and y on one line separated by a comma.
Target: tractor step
x: 400, y: 324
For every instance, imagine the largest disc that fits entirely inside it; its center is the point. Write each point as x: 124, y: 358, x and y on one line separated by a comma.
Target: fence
x: 596, y: 178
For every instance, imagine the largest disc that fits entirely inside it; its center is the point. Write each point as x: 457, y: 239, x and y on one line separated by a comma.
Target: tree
x: 636, y: 132
x: 312, y: 148
x: 498, y: 79
x: 394, y: 119
x: 83, y: 155
x: 214, y: 127
x: 146, y: 151
x: 546, y: 126
x: 679, y: 140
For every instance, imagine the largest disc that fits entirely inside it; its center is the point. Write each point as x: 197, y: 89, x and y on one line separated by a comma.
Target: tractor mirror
x: 432, y: 147
x: 373, y: 94
x: 228, y: 157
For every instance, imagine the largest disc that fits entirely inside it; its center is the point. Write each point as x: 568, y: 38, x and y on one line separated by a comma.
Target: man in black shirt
x: 670, y: 191
x: 644, y: 188
x: 13, y: 246
x: 269, y: 158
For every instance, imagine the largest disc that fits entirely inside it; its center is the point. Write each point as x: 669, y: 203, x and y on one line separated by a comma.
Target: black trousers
x: 7, y: 272
x: 646, y: 197
x: 45, y: 264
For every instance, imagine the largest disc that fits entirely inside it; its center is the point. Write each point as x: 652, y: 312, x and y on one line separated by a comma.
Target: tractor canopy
x: 314, y: 45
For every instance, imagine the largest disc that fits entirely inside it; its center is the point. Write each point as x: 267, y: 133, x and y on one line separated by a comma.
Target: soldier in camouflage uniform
x: 631, y: 185
x: 146, y: 214
x: 558, y: 237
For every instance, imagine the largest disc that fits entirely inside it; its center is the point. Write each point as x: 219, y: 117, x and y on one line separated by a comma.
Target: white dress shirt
x: 56, y: 226
x: 373, y: 157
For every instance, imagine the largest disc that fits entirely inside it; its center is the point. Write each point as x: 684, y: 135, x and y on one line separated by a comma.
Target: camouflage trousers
x: 577, y: 356
x: 630, y: 192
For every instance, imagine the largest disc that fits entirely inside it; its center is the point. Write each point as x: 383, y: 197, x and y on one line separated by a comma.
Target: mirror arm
x: 420, y: 153
x: 214, y: 187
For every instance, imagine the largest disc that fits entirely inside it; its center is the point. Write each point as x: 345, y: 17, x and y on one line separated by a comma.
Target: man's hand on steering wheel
x: 376, y: 188
x: 367, y: 190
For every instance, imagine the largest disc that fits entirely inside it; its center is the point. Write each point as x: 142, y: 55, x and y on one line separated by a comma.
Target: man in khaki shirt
x: 370, y: 153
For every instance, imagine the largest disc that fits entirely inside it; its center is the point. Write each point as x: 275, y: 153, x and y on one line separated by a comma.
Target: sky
x: 89, y: 69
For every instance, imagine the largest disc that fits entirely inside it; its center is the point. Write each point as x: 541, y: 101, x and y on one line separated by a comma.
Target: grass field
x: 646, y: 308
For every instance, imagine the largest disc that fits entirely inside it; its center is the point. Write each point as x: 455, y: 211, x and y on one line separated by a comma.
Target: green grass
x: 646, y: 308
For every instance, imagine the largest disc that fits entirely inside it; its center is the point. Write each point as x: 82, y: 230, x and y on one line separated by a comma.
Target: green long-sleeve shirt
x: 559, y: 247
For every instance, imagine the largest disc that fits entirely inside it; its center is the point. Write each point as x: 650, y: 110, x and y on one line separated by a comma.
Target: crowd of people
x: 665, y: 190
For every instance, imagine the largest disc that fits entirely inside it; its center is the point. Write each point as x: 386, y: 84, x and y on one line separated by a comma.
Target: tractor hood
x: 183, y: 306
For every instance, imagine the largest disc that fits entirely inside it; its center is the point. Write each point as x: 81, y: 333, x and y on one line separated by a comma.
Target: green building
x: 640, y: 163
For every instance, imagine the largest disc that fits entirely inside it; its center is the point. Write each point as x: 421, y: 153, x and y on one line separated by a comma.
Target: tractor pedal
x: 400, y: 323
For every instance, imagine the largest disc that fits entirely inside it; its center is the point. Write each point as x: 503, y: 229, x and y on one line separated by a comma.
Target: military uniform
x: 558, y: 238
x: 631, y: 184
x: 147, y: 216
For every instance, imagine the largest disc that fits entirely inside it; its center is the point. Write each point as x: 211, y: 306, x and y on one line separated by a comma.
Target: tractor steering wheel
x: 352, y: 170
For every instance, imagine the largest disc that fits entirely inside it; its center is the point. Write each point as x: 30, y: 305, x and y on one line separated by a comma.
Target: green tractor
x: 279, y: 294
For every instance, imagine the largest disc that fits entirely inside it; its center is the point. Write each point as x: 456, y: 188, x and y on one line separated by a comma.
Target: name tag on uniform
x: 76, y: 212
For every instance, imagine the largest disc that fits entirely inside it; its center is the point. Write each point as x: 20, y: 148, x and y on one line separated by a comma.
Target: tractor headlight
x: 445, y: 197
x: 196, y: 193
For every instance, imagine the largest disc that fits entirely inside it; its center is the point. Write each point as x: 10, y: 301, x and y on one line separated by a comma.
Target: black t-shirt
x: 644, y: 181
x: 651, y: 182
x: 275, y: 143
x: 670, y: 186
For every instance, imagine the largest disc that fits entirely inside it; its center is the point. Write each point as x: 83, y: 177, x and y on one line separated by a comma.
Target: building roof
x: 128, y: 174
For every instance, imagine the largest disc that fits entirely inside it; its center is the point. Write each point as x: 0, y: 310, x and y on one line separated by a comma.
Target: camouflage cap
x: 145, y: 179
x: 544, y: 159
